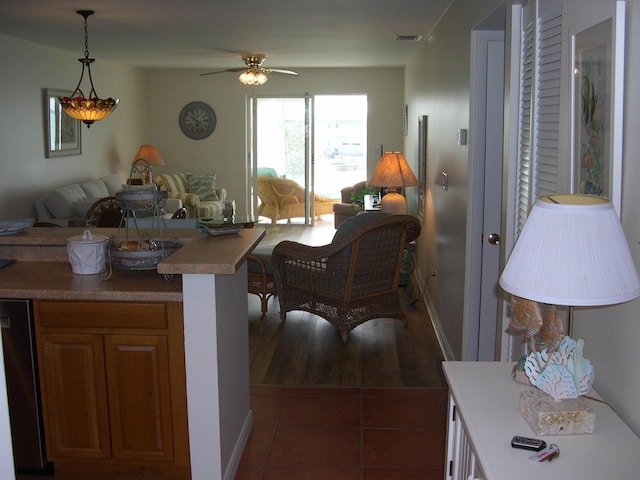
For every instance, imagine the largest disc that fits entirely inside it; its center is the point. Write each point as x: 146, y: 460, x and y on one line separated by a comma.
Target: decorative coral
x: 563, y: 372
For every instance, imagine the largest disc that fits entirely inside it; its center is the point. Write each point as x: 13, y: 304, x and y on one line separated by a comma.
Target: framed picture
x: 62, y: 134
x: 372, y: 202
x: 597, y: 89
x: 422, y: 164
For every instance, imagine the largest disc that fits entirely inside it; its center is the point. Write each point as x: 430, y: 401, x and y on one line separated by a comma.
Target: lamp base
x: 394, y: 202
x: 547, y: 416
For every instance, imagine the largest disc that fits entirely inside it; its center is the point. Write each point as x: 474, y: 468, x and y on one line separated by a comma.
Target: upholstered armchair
x: 345, y: 209
x: 351, y: 280
x: 199, y: 194
x: 282, y: 198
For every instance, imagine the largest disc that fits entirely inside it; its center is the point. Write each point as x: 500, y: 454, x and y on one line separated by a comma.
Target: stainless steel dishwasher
x: 18, y: 343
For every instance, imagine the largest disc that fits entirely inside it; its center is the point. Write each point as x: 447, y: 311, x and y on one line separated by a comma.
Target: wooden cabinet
x: 113, y: 385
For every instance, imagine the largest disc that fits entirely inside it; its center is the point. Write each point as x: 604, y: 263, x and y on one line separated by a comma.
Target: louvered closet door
x: 540, y: 68
x: 537, y: 165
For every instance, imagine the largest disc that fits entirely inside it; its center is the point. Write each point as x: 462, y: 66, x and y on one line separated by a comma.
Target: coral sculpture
x: 562, y: 373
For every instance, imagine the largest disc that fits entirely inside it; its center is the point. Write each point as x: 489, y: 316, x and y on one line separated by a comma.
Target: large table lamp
x: 394, y: 172
x: 146, y: 156
x: 573, y: 252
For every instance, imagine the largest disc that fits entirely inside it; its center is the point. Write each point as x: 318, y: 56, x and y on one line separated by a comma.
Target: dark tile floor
x: 342, y: 433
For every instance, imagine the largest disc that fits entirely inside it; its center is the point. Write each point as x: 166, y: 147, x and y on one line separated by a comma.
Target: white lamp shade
x: 572, y: 251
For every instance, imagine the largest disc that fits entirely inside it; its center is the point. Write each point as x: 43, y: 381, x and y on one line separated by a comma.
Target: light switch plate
x: 462, y: 136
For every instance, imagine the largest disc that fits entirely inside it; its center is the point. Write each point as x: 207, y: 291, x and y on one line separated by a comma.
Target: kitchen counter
x: 42, y: 269
x: 209, y: 277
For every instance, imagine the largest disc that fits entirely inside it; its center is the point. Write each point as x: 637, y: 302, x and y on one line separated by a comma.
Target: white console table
x: 484, y: 415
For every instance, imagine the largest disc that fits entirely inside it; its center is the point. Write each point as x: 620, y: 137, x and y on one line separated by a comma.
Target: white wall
x: 224, y: 152
x: 437, y: 85
x: 107, y: 147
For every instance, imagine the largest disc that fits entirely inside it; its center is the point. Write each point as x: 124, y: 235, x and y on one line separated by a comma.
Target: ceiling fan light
x: 251, y: 77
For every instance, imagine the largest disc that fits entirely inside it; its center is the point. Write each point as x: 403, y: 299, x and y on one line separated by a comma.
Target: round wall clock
x: 197, y: 120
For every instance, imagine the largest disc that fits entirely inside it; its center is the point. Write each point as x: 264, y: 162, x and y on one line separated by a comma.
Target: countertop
x: 43, y: 271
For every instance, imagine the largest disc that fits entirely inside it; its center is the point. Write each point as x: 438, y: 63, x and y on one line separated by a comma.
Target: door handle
x: 494, y: 239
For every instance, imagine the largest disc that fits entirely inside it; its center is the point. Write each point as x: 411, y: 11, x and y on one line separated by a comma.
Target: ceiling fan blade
x: 278, y: 70
x: 232, y: 70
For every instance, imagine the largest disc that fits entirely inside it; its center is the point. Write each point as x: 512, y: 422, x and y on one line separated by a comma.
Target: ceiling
x: 212, y: 34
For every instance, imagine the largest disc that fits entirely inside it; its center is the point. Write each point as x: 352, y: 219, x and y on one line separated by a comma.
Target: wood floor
x: 307, y: 350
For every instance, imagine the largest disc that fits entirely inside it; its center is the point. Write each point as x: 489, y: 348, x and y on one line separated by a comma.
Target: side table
x: 484, y: 415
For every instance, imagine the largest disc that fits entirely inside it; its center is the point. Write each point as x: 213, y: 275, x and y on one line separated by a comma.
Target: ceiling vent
x: 409, y: 38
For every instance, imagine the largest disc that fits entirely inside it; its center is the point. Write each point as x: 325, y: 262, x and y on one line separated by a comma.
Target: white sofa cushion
x: 95, y: 189
x: 113, y: 183
x: 60, y: 201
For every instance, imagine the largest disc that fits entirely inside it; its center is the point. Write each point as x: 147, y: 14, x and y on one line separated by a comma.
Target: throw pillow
x: 204, y: 187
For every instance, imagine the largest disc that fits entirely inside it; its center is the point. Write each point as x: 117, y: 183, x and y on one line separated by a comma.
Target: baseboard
x: 234, y: 461
x: 445, y: 347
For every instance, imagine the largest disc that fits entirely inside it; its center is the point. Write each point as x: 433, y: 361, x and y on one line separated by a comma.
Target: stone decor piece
x: 547, y: 416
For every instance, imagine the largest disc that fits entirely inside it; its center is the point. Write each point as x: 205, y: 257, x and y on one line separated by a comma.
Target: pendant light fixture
x: 92, y: 108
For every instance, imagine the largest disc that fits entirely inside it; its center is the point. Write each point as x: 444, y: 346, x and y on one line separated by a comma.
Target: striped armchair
x: 199, y: 194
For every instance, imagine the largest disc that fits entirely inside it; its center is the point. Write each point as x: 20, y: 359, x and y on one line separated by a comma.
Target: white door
x: 484, y: 212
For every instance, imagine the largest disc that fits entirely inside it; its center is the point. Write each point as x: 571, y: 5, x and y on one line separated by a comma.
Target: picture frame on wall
x: 423, y: 122
x: 62, y: 133
x: 597, y: 89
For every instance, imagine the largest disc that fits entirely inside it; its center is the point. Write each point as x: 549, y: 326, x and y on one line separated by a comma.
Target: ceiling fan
x: 253, y: 73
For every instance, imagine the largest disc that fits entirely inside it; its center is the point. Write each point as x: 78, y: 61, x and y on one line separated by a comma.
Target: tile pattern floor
x: 344, y: 433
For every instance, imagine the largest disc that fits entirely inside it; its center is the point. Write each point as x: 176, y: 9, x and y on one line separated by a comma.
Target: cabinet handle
x: 5, y: 321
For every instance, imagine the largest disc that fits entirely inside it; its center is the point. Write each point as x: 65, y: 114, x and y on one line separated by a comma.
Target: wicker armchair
x: 351, y: 280
x: 281, y: 198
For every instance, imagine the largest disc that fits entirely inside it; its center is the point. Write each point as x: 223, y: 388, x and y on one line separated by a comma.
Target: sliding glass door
x: 298, y: 153
x: 280, y: 159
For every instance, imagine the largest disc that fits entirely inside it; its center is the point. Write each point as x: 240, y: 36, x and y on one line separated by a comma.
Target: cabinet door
x: 138, y: 378
x: 74, y: 388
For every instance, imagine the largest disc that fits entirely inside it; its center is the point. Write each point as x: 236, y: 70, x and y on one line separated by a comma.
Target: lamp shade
x: 149, y: 154
x: 572, y: 251
x: 393, y: 171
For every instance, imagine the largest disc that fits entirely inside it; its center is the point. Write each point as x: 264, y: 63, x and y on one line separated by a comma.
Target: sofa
x: 68, y: 205
x: 198, y: 193
x: 346, y: 209
x: 282, y: 198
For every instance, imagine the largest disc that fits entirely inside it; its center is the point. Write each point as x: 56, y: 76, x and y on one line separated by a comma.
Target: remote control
x: 528, y: 443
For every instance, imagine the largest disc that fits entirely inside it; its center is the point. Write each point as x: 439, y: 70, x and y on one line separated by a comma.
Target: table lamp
x: 147, y: 155
x: 394, y: 172
x: 573, y: 252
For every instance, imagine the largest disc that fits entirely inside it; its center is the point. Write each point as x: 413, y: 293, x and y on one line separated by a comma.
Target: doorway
x: 306, y: 146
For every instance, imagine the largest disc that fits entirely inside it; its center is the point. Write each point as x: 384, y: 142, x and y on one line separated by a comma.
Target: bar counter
x: 208, y: 274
